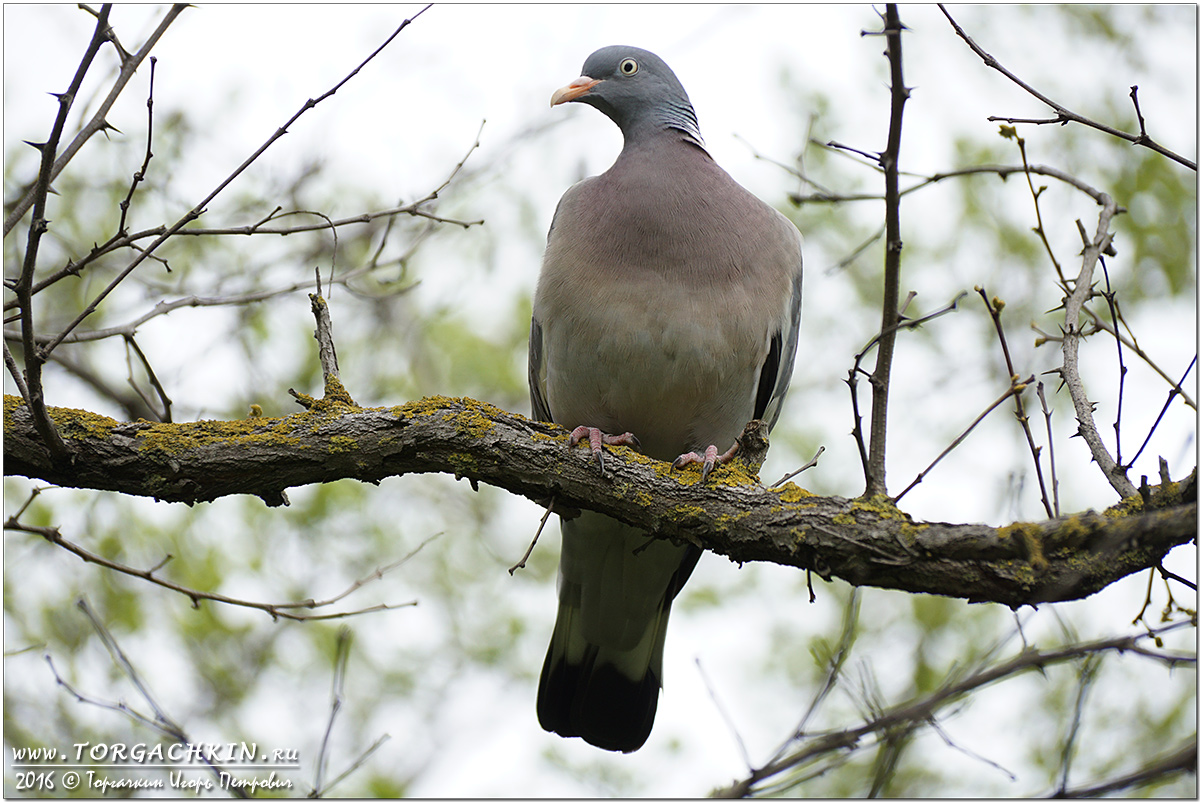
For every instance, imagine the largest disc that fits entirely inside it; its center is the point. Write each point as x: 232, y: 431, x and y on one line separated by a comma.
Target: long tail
x: 603, y: 670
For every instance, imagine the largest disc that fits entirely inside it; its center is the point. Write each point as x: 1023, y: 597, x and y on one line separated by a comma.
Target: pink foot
x: 710, y: 459
x: 597, y: 439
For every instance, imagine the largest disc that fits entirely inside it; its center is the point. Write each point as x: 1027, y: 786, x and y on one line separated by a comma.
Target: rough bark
x: 865, y: 542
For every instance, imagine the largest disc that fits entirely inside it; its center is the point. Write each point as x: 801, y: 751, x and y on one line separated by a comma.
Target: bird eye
x: 628, y: 67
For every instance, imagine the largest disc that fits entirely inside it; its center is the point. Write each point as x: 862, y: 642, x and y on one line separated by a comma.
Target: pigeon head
x: 636, y: 90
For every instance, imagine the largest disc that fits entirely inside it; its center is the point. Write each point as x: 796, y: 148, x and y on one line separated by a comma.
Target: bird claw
x: 709, y: 461
x: 598, y: 439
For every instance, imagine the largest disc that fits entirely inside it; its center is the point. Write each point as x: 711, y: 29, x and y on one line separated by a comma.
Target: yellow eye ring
x: 628, y: 67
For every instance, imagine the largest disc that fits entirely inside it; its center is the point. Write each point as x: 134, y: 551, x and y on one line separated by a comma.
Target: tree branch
x: 98, y: 123
x: 864, y: 543
x: 201, y: 207
x: 1065, y: 115
x: 876, y: 479
x: 923, y: 709
x: 1080, y: 293
x: 1161, y: 768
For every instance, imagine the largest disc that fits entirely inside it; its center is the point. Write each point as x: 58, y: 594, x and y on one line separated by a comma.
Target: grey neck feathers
x: 676, y: 115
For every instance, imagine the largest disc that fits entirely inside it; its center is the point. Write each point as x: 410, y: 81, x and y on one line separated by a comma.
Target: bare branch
x: 275, y: 610
x: 98, y: 123
x: 199, y: 208
x: 1131, y: 343
x: 23, y: 287
x: 140, y: 175
x: 995, y: 306
x: 160, y: 722
x: 165, y: 415
x: 1001, y: 170
x: 1072, y: 333
x: 1041, y: 391
x: 922, y: 710
x: 1179, y: 761
x: 1014, y: 391
x: 1065, y: 115
x: 876, y: 484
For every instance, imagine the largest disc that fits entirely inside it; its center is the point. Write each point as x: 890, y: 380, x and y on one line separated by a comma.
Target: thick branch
x: 863, y: 543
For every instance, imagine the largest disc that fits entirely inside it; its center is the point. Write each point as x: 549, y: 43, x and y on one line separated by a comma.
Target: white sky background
x: 403, y: 122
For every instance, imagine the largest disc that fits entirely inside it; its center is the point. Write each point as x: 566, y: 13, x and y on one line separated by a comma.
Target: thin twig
x: 1041, y: 391
x: 837, y: 662
x: 712, y: 693
x: 199, y: 208
x: 340, y: 658
x: 923, y: 709
x: 14, y: 370
x: 98, y: 122
x: 1065, y: 115
x: 1040, y: 230
x: 1131, y: 344
x: 995, y: 307
x: 852, y: 378
x: 1168, y: 575
x: 811, y: 463
x: 1109, y: 295
x: 1015, y: 388
x: 536, y: 535
x: 358, y: 762
x: 936, y: 727
x: 1001, y: 170
x: 1087, y: 677
x: 131, y: 344
x: 275, y: 610
x: 140, y: 175
x: 1180, y: 761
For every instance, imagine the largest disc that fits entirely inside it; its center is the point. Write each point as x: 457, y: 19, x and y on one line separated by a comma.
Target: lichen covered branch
x: 864, y: 543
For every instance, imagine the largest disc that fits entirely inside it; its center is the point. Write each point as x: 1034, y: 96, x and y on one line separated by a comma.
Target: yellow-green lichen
x: 1073, y: 533
x: 463, y: 464
x: 469, y: 416
x: 11, y: 404
x: 726, y: 522
x: 77, y: 424
x: 339, y: 444
x: 177, y: 438
x: 793, y: 493
x: 1126, y: 507
x: 910, y: 531
x: 731, y: 474
x: 686, y: 512
x: 1030, y: 538
x: 335, y: 395
x: 882, y: 506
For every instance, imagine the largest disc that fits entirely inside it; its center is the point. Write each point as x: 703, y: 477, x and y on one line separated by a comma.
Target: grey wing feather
x: 537, y: 374
x: 777, y: 370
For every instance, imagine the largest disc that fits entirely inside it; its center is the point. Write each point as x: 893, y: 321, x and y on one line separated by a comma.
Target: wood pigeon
x: 666, y: 315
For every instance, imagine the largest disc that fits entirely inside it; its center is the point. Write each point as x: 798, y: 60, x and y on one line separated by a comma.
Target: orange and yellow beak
x: 573, y: 91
